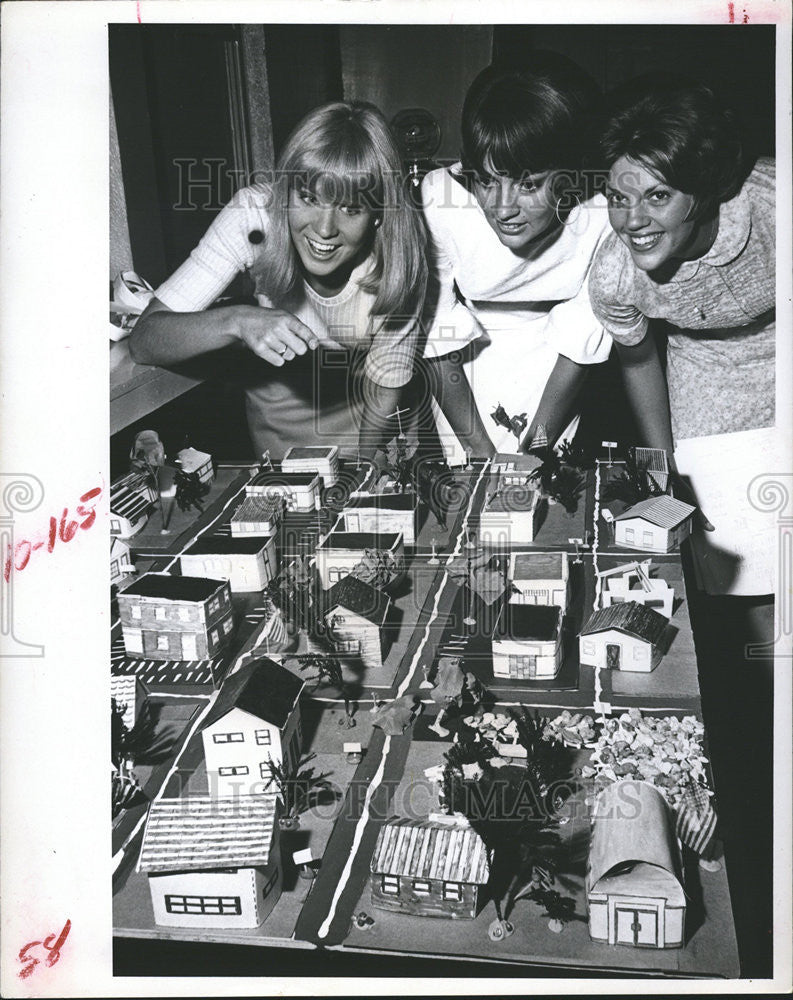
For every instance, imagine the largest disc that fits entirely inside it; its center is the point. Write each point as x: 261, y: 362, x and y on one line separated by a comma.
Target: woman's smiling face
x: 519, y: 210
x: 650, y: 217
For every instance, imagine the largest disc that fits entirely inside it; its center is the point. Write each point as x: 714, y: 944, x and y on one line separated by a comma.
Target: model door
x: 354, y: 522
x: 189, y: 649
x: 637, y: 927
x: 613, y: 651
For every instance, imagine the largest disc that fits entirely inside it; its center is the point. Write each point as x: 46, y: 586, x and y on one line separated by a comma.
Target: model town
x: 325, y: 639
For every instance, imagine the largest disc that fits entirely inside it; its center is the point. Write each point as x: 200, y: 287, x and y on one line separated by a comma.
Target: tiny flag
x: 696, y: 820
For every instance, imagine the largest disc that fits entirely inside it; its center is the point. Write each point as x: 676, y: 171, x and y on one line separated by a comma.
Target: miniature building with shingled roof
x: 355, y: 616
x: 658, y: 524
x: 340, y: 551
x: 257, y: 515
x: 623, y: 636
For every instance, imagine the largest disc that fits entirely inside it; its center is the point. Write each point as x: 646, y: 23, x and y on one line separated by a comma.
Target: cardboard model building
x: 634, y: 883
x: 298, y: 490
x: 527, y: 642
x: 539, y: 578
x: 197, y: 463
x: 212, y: 862
x: 257, y: 516
x: 514, y: 469
x: 166, y: 617
x: 429, y: 868
x: 248, y: 563
x: 659, y: 524
x: 340, y: 551
x: 509, y: 516
x: 382, y: 513
x: 655, y: 463
x: 323, y: 459
x: 623, y: 637
x: 131, y: 498
x: 355, y: 616
x: 632, y: 582
x: 255, y: 718
x: 121, y: 565
x: 129, y: 691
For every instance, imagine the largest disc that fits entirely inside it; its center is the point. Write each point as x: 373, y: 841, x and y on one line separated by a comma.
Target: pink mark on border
x: 140, y: 19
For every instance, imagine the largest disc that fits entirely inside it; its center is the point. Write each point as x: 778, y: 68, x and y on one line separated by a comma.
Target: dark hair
x: 528, y: 118
x: 677, y: 129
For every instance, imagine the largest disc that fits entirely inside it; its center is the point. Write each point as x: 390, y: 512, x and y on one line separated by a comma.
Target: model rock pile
x: 574, y: 730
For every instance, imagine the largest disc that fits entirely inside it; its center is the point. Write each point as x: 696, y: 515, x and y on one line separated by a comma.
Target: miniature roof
x: 191, y: 460
x: 261, y: 687
x: 651, y: 459
x: 538, y: 565
x: 631, y: 822
x: 130, y: 495
x: 519, y: 462
x: 201, y: 833
x: 360, y: 598
x: 431, y: 850
x: 360, y: 540
x: 630, y: 617
x: 528, y: 621
x: 228, y: 545
x: 123, y: 690
x: 258, y: 508
x: 515, y: 498
x: 173, y: 588
x: 384, y: 501
x: 664, y: 511
x: 311, y: 451
x: 272, y: 478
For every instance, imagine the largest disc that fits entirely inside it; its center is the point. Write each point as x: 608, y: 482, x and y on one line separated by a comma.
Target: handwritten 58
x: 50, y: 944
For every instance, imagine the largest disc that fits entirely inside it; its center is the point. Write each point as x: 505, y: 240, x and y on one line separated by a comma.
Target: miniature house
x: 382, y: 513
x: 255, y: 718
x: 634, y: 883
x: 539, y: 578
x: 514, y: 469
x: 355, y: 617
x: 527, y: 642
x: 212, y: 862
x: 248, y: 563
x: 301, y: 531
x: 340, y: 551
x: 121, y: 565
x: 655, y: 463
x: 429, y: 868
x: 509, y: 516
x: 166, y: 617
x: 633, y: 582
x: 196, y: 463
x: 129, y: 691
x: 131, y: 498
x: 323, y: 459
x: 659, y: 524
x: 257, y: 516
x: 623, y: 637
x: 298, y: 490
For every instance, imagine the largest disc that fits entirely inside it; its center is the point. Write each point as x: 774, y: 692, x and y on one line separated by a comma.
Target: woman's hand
x: 273, y: 335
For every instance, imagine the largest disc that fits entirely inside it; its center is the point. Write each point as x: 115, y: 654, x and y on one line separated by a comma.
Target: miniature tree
x: 557, y: 481
x: 378, y: 568
x: 632, y: 485
x: 148, y: 455
x: 300, y: 790
x: 142, y: 744
x: 190, y: 490
x: 326, y: 670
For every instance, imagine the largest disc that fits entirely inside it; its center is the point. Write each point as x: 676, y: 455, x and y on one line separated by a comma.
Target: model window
x: 452, y: 890
x: 390, y: 884
x: 162, y: 642
x: 228, y: 625
x: 264, y: 771
x: 629, y: 534
x: 334, y: 575
x: 214, y: 636
x: 421, y: 887
x: 227, y: 906
x: 263, y: 737
x: 270, y: 883
x: 617, y: 600
x: 114, y: 568
x: 159, y: 614
x: 133, y: 640
x: 214, y: 604
x: 230, y: 772
x: 228, y: 738
x: 653, y: 604
x: 115, y: 526
x: 184, y: 614
x: 589, y: 646
x: 647, y: 538
x: 135, y: 611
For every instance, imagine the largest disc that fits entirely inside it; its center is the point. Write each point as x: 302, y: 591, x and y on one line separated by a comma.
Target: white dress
x: 508, y: 318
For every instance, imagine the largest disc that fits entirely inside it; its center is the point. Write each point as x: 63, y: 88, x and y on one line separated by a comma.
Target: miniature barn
x: 131, y: 498
x: 196, y: 463
x: 355, y: 617
x: 121, y: 564
x: 632, y: 582
x: 323, y: 459
x: 298, y: 490
x: 257, y: 516
x: 340, y: 551
x: 659, y: 524
x: 527, y: 642
x: 539, y: 578
x: 623, y: 637
x: 255, y: 718
x: 212, y: 862
x: 247, y: 563
x: 655, y: 463
x: 509, y: 516
x: 634, y: 882
x: 166, y: 617
x: 381, y: 513
x: 429, y: 868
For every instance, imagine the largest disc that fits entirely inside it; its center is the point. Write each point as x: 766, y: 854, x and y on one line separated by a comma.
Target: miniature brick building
x: 430, y: 868
x: 623, y: 637
x: 381, y: 513
x: 341, y: 551
x: 166, y: 617
x: 634, y: 882
x: 539, y: 578
x: 248, y: 563
x: 659, y: 524
x: 212, y: 863
x: 255, y: 718
x: 509, y: 516
x: 355, y: 616
x: 257, y: 516
x: 527, y: 642
x: 299, y: 490
x: 323, y: 459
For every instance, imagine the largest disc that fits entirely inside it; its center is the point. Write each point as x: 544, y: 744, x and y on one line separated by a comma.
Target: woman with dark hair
x: 513, y: 235
x: 337, y: 258
x: 694, y: 245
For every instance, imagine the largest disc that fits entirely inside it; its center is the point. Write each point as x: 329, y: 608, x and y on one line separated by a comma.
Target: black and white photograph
x: 442, y: 451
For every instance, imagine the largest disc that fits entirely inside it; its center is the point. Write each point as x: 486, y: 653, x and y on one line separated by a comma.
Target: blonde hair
x: 348, y: 148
